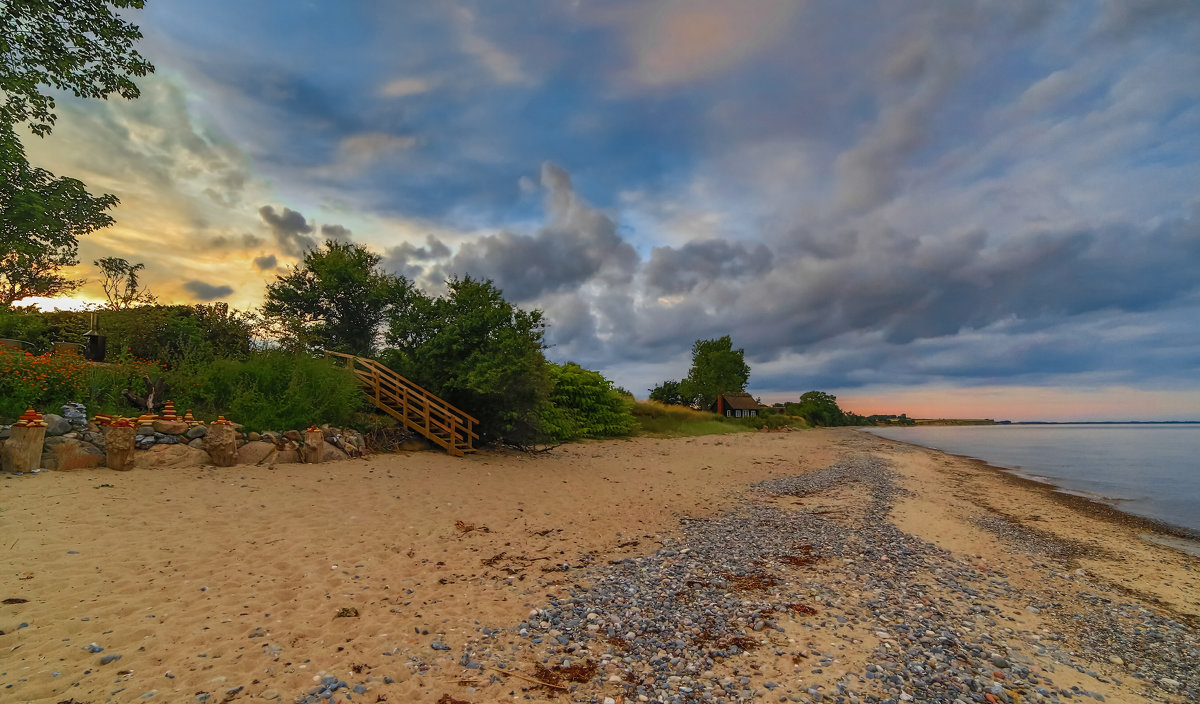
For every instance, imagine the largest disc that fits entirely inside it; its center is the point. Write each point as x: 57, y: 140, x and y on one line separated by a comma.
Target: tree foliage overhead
x: 78, y: 46
x: 41, y: 220
x: 336, y: 298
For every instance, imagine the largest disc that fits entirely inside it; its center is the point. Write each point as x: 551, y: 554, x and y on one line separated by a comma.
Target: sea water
x: 1147, y: 470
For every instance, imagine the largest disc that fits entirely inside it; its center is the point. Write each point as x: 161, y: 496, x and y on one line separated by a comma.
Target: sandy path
x: 206, y: 581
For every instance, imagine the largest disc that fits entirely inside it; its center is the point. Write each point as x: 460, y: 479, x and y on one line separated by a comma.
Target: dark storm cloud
x: 401, y: 259
x: 681, y: 270
x: 336, y: 233
x: 202, y: 291
x: 958, y: 308
x: 263, y: 263
x: 578, y: 244
x: 291, y: 230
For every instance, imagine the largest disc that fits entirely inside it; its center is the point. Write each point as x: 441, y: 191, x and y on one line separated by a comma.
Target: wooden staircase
x: 419, y: 410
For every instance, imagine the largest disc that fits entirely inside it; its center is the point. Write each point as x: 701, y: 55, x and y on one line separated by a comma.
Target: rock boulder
x: 329, y: 453
x: 56, y: 425
x: 64, y: 454
x: 170, y: 427
x: 255, y: 452
x: 170, y: 456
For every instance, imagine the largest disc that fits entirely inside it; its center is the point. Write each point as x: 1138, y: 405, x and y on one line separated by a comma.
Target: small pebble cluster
x: 670, y: 626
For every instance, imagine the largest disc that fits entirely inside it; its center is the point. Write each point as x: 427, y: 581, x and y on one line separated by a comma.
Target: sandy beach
x: 798, y: 566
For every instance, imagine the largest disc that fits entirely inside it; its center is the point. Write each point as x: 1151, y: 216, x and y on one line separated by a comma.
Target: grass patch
x: 664, y: 421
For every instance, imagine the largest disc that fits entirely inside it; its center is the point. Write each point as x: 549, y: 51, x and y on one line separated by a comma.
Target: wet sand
x: 230, y: 582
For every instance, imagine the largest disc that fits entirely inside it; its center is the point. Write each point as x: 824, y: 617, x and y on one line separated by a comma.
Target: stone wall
x: 72, y: 442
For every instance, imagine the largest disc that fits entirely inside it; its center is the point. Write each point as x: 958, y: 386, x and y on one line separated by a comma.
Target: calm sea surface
x: 1146, y: 470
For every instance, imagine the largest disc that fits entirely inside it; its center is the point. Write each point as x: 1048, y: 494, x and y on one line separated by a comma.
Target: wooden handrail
x: 419, y: 410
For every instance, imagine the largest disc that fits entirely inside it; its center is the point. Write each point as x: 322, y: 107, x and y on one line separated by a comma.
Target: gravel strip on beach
x: 672, y: 626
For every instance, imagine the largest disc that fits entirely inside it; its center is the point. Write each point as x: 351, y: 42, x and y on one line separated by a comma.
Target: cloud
x: 681, y: 270
x: 202, y: 291
x: 402, y: 87
x: 358, y: 152
x: 266, y: 262
x: 503, y: 66
x: 290, y: 229
x: 578, y: 244
x: 400, y: 259
x: 335, y: 232
x: 674, y: 42
x: 918, y: 73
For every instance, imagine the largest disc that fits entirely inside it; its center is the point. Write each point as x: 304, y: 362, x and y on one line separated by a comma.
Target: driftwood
x: 527, y: 678
x: 153, y: 400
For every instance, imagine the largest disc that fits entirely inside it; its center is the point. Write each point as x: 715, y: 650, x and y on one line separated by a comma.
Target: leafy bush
x: 46, y: 382
x: 274, y: 390
x: 171, y: 334
x: 583, y: 404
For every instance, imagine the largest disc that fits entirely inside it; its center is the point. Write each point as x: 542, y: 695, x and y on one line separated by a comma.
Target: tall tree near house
x: 79, y: 46
x: 716, y: 368
x: 121, y: 285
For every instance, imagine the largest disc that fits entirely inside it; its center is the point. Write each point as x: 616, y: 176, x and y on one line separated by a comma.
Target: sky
x: 985, y: 208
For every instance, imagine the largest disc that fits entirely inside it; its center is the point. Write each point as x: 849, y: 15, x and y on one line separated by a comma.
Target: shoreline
x: 1095, y: 504
x: 233, y: 582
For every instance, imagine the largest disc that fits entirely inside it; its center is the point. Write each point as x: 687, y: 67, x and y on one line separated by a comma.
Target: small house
x: 736, y: 405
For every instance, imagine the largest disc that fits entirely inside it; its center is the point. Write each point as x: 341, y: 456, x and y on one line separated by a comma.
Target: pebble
x: 665, y: 622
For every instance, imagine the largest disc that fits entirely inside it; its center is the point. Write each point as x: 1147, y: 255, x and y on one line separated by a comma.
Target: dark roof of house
x: 740, y: 401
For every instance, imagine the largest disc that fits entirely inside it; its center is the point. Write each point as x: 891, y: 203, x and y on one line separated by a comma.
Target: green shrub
x: 273, y: 390
x: 583, y: 404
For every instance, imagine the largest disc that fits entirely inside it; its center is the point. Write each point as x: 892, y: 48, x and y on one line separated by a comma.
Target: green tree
x: 41, y: 220
x: 818, y: 408
x: 668, y: 393
x: 120, y: 283
x: 717, y: 368
x: 477, y: 351
x: 78, y: 46
x: 337, y: 299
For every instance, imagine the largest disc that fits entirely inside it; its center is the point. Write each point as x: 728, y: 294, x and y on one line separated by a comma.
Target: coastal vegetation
x: 266, y: 368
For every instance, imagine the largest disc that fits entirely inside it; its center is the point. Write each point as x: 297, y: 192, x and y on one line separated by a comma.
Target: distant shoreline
x: 1093, y: 504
